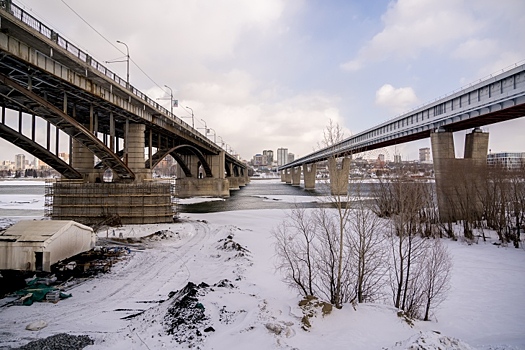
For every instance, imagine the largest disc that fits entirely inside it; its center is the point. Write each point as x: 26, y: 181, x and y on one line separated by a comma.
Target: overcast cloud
x: 265, y: 74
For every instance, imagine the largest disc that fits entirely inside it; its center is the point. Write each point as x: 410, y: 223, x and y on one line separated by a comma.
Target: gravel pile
x: 60, y: 341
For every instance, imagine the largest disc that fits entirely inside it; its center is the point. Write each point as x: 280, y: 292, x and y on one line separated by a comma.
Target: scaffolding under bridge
x: 147, y: 202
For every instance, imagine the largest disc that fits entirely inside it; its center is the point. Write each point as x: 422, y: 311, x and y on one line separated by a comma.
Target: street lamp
x: 127, y: 60
x: 222, y: 141
x: 205, y: 127
x: 192, y: 120
x: 171, y: 99
x: 214, y: 135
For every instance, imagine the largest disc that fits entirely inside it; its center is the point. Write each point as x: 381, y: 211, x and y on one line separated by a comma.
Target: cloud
x: 412, y: 26
x: 396, y: 100
x: 475, y: 48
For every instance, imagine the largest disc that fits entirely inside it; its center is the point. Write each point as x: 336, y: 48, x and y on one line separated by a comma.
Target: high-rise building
x: 282, y: 156
x: 20, y: 162
x: 397, y: 158
x: 424, y: 155
x: 290, y: 157
x: 269, y: 156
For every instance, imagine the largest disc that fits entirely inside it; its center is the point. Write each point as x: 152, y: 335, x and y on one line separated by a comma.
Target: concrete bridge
x: 497, y: 99
x: 108, y: 123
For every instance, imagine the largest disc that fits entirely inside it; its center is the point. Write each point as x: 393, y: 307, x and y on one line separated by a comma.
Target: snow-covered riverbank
x: 247, y: 305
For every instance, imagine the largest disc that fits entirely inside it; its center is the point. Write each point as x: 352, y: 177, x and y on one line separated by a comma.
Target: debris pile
x: 186, y: 319
x: 230, y: 245
x: 90, y: 263
x: 61, y: 341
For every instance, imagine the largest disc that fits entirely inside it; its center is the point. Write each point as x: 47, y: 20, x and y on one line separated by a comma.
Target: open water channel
x: 25, y: 198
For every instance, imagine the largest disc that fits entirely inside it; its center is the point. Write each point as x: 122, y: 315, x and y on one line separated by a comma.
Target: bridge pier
x: 288, y: 176
x: 91, y: 200
x: 283, y: 175
x: 296, y: 176
x: 339, y: 176
x: 134, y: 143
x: 83, y: 160
x: 309, y: 173
x: 459, y: 181
x: 215, y: 186
x: 233, y: 182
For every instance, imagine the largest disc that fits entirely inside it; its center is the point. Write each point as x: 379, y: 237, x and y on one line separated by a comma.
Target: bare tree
x: 341, y: 201
x: 294, y: 247
x: 368, y: 253
x: 437, y: 269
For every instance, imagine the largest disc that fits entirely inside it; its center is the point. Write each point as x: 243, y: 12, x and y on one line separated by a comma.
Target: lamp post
x: 222, y: 141
x: 205, y: 127
x: 127, y: 61
x: 192, y: 120
x: 214, y: 135
x: 171, y: 99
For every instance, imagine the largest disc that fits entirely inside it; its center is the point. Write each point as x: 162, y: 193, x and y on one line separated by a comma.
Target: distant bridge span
x: 493, y: 100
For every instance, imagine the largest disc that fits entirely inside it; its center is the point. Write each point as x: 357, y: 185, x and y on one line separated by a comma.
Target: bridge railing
x: 49, y: 33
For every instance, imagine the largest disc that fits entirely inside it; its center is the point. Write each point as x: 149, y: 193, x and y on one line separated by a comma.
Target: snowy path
x: 133, y: 285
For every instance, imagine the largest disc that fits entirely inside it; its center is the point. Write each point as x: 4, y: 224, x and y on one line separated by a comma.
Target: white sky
x: 266, y: 74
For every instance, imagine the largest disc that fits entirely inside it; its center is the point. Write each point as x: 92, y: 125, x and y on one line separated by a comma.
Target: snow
x: 25, y: 182
x: 21, y: 201
x: 194, y: 200
x: 483, y: 309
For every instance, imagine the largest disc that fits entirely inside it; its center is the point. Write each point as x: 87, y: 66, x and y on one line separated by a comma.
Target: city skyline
x: 278, y: 71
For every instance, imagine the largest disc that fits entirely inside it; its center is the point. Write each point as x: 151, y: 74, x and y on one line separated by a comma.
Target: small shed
x: 36, y: 245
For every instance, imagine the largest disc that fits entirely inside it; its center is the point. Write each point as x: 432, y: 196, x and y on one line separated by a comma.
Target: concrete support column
x: 296, y: 176
x: 309, y: 174
x: 339, y: 176
x: 459, y: 181
x: 444, y: 159
x: 192, y: 162
x: 134, y: 143
x: 283, y: 175
x: 217, y: 165
x: 476, y: 146
x: 233, y: 182
x: 83, y: 160
x: 288, y: 176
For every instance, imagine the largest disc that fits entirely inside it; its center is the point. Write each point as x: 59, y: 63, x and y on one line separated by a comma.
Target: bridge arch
x: 163, y: 152
x: 38, y: 151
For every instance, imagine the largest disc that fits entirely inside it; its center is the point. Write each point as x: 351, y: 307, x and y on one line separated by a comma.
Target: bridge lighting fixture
x: 171, y: 99
x: 127, y: 61
x: 192, y: 119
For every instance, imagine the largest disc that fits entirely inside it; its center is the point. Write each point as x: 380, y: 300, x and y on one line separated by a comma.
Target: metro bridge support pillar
x: 288, y: 176
x: 296, y: 176
x: 309, y: 173
x: 339, y: 176
x: 203, y: 185
x: 459, y: 182
x: 283, y: 175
